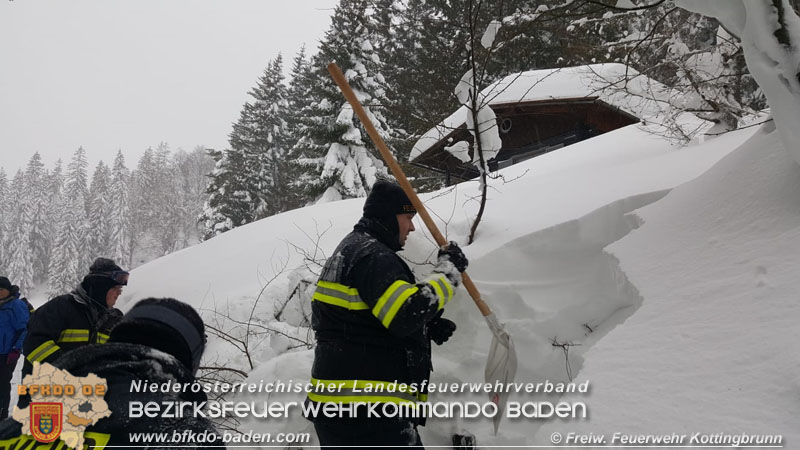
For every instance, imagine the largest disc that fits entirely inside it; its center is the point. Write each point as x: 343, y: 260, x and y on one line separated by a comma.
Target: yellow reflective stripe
x: 337, y: 287
x: 74, y: 335
x: 360, y: 384
x: 439, y: 292
x: 43, y: 351
x: 350, y: 391
x: 442, y: 288
x: 392, y: 299
x: 366, y: 398
x: 100, y: 439
x: 338, y: 295
x: 339, y: 302
x: 102, y: 338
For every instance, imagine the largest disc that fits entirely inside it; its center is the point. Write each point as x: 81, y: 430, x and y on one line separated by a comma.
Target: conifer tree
x: 251, y: 178
x: 99, y: 220
x: 166, y: 202
x: 194, y: 168
x: 143, y: 213
x: 299, y: 100
x: 119, y: 214
x: 36, y: 216
x: 19, y: 256
x: 339, y: 159
x: 261, y: 136
x: 229, y: 202
x: 69, y: 258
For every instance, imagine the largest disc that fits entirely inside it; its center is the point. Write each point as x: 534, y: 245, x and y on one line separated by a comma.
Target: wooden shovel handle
x: 344, y: 86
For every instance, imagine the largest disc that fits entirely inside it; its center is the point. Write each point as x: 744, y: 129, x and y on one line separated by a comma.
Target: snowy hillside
x: 676, y: 304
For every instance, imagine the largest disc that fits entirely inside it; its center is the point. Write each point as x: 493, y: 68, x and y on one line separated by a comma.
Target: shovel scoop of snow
x: 501, y: 366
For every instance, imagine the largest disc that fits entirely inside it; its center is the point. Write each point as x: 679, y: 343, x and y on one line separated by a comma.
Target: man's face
x: 405, y: 222
x: 4, y: 292
x: 112, y: 295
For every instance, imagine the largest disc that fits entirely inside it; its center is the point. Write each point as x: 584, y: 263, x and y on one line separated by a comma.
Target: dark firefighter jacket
x: 121, y: 363
x: 66, y: 322
x: 369, y: 315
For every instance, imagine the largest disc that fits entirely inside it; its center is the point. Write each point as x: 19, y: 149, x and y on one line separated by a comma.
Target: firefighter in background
x: 84, y: 316
x: 374, y: 323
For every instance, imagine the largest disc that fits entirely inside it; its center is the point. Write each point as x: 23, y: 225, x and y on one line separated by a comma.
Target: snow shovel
x: 501, y: 365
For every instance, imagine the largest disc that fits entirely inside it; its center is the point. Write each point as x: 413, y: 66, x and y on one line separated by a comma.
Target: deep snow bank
x: 712, y: 348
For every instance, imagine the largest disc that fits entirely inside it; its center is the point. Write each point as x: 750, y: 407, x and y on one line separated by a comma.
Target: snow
x: 666, y: 274
x: 487, y: 40
x: 716, y: 263
x: 460, y: 150
x: 614, y: 84
x: 775, y: 67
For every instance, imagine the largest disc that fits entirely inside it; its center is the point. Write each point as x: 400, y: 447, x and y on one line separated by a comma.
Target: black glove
x: 440, y: 329
x: 452, y: 252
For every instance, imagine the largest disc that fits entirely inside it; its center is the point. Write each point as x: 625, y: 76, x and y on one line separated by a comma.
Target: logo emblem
x: 46, y: 421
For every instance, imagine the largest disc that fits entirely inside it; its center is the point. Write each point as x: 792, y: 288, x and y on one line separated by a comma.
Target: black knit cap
x: 387, y: 199
x: 5, y: 283
x: 164, y: 324
x: 104, y: 266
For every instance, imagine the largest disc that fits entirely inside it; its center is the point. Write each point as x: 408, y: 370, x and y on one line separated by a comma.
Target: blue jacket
x: 13, y: 324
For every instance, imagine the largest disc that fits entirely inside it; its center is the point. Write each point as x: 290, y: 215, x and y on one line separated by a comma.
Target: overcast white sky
x: 128, y: 74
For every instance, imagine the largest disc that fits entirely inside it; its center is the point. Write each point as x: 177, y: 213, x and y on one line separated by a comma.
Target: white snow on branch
x: 774, y: 65
x: 460, y: 150
x: 490, y: 34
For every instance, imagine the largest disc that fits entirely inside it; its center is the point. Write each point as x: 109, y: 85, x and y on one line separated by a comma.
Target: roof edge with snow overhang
x: 616, y: 85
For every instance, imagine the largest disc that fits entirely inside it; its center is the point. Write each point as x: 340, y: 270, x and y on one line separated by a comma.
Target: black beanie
x: 5, y: 283
x: 103, y: 266
x: 387, y: 199
x: 165, y: 324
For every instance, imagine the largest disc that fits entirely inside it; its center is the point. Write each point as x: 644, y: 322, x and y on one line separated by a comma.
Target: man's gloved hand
x: 451, y: 263
x: 452, y: 252
x: 13, y: 356
x: 440, y: 329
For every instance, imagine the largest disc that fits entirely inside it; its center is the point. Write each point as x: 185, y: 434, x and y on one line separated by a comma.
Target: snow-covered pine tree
x: 70, y: 257
x: 261, y: 136
x: 299, y: 100
x: 194, y: 168
x: 229, y: 202
x: 339, y: 158
x: 99, y: 233
x: 251, y: 179
x: 168, y: 202
x: 55, y: 206
x: 19, y: 256
x: 143, y: 213
x: 119, y: 213
x: 37, y: 217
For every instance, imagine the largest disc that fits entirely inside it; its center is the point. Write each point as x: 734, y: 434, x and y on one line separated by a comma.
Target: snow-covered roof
x: 615, y: 84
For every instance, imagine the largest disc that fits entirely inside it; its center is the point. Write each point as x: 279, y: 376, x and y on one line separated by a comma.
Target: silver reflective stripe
x: 388, y: 306
x: 339, y: 294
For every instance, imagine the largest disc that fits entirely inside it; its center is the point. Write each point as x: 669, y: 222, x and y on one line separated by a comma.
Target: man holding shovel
x: 374, y: 323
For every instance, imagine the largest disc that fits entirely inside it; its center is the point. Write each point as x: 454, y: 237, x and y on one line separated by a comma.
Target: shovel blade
x: 501, y: 366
